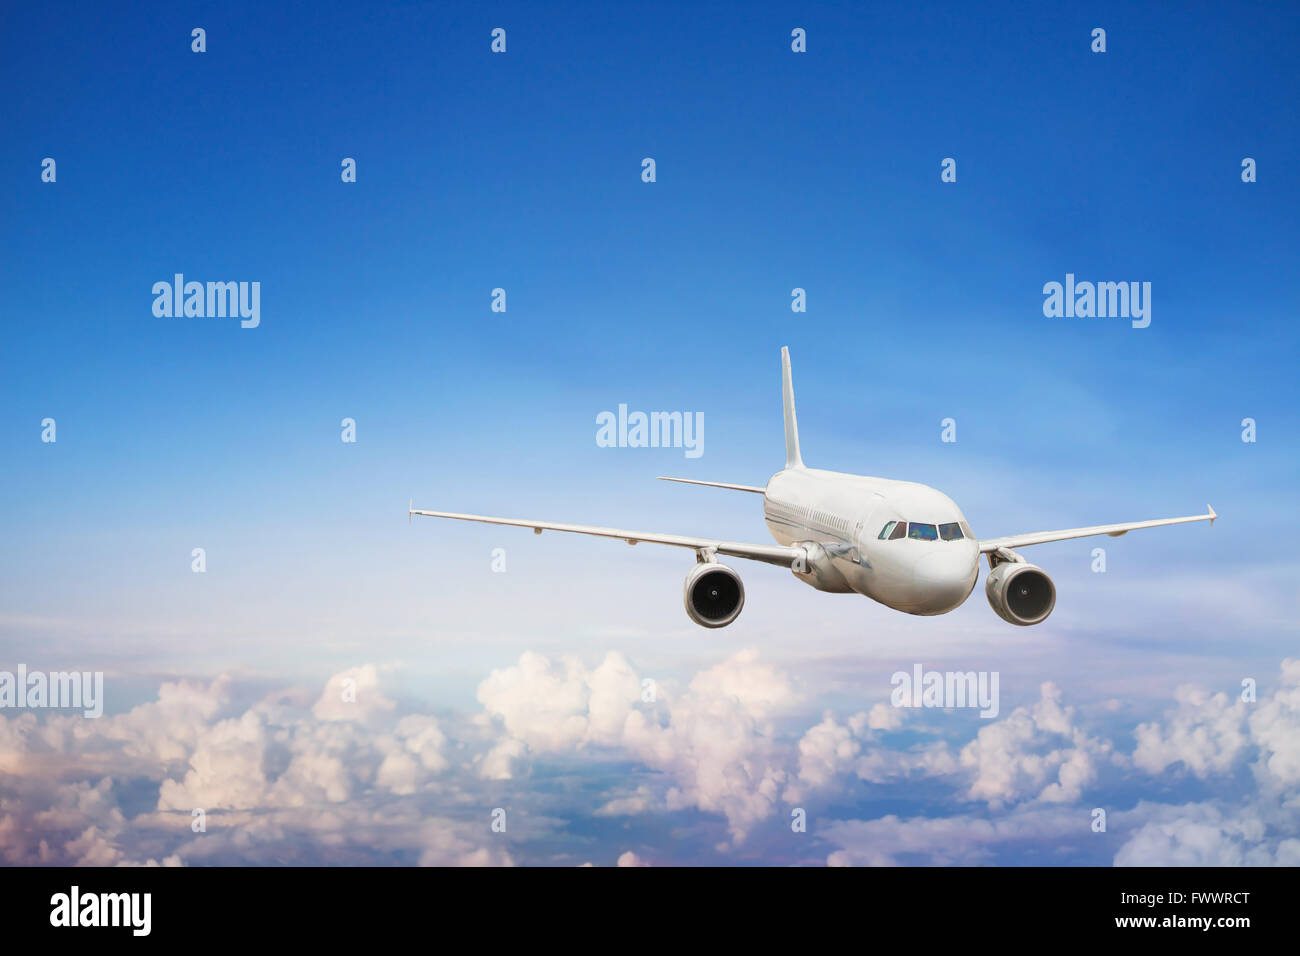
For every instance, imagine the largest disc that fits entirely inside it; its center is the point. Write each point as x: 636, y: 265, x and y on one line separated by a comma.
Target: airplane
x: 900, y: 543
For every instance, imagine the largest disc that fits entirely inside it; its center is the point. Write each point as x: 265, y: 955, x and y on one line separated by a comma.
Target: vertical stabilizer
x: 792, y: 459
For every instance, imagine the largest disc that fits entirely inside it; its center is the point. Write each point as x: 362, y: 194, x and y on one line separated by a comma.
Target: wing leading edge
x: 717, y: 484
x: 767, y: 553
x: 1114, y: 530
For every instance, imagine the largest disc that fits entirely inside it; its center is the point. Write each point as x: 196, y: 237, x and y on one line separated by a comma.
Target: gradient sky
x: 523, y: 171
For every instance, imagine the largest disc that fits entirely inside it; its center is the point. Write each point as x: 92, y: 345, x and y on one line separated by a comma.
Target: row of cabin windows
x: 831, y: 521
x: 824, y: 518
x: 919, y: 531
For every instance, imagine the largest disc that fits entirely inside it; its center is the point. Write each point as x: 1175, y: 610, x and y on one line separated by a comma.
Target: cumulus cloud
x: 833, y: 754
x: 715, y: 739
x: 1039, y: 755
x: 349, y: 776
x: 1209, y: 735
x: 1206, y: 734
x: 353, y: 695
x: 960, y: 839
x: 345, y: 780
x: 553, y: 707
x: 826, y: 751
x: 881, y: 716
x: 1275, y: 729
x: 1206, y: 835
x: 1035, y: 753
x: 630, y: 805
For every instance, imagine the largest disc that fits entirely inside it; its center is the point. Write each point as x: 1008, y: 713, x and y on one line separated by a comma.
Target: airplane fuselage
x: 929, y: 566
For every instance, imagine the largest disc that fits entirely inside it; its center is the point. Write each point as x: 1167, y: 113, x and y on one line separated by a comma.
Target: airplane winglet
x: 1212, y: 513
x: 410, y: 510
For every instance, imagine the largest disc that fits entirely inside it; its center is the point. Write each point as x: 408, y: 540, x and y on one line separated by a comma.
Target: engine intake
x: 1020, y: 593
x: 713, y: 595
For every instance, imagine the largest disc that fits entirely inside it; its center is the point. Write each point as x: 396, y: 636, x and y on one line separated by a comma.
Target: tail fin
x: 792, y: 459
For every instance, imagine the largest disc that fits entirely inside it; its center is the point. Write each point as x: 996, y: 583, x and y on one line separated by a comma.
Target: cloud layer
x: 567, y: 762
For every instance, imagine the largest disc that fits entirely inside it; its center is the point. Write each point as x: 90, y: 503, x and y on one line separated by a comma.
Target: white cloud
x: 953, y: 840
x: 715, y: 740
x: 499, y: 762
x: 555, y: 707
x: 1205, y: 835
x: 882, y: 716
x: 630, y: 805
x: 411, y: 754
x: 345, y: 781
x: 1206, y: 733
x: 1034, y: 753
x: 225, y: 768
x: 826, y: 752
x: 1211, y: 734
x: 353, y: 694
x: 1275, y: 728
x: 300, y: 778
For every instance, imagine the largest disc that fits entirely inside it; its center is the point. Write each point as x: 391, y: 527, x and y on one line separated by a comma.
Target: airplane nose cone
x: 945, y: 578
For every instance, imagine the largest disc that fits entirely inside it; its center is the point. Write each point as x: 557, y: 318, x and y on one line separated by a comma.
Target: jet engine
x: 1020, y: 593
x: 713, y: 594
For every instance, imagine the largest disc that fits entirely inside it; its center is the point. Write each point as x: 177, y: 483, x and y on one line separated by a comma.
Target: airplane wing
x: 768, y: 553
x: 1114, y: 530
x: 717, y: 484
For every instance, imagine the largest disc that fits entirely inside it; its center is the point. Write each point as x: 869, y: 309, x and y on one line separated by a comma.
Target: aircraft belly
x: 892, y: 587
x: 857, y: 575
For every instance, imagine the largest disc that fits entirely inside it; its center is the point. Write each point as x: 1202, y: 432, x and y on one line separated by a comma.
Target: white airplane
x: 903, y: 544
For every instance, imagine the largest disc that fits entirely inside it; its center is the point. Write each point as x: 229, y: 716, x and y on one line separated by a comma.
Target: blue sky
x: 775, y: 170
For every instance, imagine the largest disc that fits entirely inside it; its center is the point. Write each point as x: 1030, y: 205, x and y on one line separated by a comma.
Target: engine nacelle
x: 713, y: 594
x: 1020, y: 593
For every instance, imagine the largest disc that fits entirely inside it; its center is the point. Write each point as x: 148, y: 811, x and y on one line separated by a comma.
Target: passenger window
x: 884, y: 532
x: 900, y: 530
x: 950, y: 531
x: 922, y: 532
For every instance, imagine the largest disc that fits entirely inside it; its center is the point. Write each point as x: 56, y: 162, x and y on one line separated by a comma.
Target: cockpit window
x: 922, y: 532
x: 950, y: 531
x: 969, y: 533
x: 884, y: 532
x: 900, y: 530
